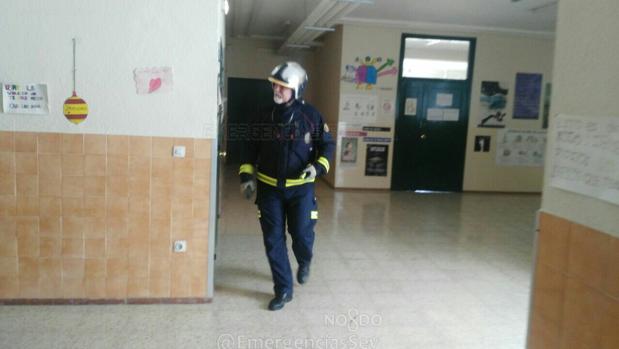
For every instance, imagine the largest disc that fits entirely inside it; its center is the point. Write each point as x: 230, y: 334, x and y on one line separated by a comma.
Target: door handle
x: 222, y: 154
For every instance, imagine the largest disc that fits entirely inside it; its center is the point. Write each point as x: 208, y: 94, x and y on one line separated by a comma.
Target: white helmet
x: 291, y: 75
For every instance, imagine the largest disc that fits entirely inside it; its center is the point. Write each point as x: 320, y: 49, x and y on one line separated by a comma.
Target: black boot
x: 303, y: 274
x: 279, y: 301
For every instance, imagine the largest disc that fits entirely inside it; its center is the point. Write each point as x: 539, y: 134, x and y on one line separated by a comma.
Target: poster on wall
x: 492, y: 103
x: 387, y: 106
x: 365, y: 72
x: 410, y: 107
x: 349, y: 151
x: 376, y: 159
x: 350, y: 130
x: 153, y: 80
x: 24, y: 98
x: 527, y: 96
x: 546, y: 107
x: 584, y: 156
x: 358, y: 108
x: 520, y: 148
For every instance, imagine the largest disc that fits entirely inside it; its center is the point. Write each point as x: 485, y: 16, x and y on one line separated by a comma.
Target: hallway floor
x: 391, y: 270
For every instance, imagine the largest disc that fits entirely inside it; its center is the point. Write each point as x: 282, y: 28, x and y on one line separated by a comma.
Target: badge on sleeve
x: 307, y: 138
x: 326, y: 128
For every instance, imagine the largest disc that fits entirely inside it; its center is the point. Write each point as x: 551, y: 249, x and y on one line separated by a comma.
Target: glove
x: 248, y: 189
x: 309, y: 172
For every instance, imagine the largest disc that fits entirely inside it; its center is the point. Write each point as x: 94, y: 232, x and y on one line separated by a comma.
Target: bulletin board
x: 585, y: 156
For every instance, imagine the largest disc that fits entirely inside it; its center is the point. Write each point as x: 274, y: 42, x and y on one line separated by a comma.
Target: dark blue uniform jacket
x: 283, y: 142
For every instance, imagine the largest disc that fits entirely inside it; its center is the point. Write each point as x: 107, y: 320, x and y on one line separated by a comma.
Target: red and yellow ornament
x: 75, y: 109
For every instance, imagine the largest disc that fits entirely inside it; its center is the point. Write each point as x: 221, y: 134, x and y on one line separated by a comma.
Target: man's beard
x: 278, y: 99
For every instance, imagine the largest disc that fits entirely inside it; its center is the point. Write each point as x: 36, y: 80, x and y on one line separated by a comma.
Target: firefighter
x: 288, y: 148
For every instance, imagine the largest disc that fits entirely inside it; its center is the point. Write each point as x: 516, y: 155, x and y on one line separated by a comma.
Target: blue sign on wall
x: 527, y: 96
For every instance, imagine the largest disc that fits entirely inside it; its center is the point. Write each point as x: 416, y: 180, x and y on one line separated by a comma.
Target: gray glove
x: 309, y: 172
x: 248, y: 189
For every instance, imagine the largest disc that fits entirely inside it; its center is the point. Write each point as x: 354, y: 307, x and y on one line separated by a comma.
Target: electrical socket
x: 180, y: 246
x: 178, y: 151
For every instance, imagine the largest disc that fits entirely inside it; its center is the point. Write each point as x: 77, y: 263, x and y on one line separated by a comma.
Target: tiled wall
x: 576, y: 287
x: 94, y: 216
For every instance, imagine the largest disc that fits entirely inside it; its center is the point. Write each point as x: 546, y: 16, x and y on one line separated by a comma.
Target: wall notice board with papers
x: 586, y: 156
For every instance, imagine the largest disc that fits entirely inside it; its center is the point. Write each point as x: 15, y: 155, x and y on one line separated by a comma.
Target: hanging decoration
x: 75, y: 108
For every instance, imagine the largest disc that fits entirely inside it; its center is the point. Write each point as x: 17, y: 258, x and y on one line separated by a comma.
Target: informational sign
x: 521, y: 148
x: 350, y: 130
x: 584, y: 156
x: 359, y: 108
x: 377, y: 139
x: 451, y: 114
x: 482, y: 144
x: 410, y: 107
x: 24, y: 98
x: 376, y: 159
x: 153, y: 80
x: 527, y: 96
x: 349, y: 150
x: 376, y: 129
x: 443, y: 114
x: 444, y: 99
x: 434, y: 114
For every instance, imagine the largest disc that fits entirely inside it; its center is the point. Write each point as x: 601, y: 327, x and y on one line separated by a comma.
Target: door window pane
x: 436, y: 59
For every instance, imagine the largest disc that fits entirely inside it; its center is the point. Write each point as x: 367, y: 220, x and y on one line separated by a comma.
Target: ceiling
x: 283, y: 20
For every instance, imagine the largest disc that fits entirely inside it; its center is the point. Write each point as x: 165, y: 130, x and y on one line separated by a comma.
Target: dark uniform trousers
x: 297, y: 207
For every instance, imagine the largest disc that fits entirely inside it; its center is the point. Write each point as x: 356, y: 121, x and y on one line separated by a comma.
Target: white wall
x: 114, y: 38
x: 327, y: 87
x: 499, y: 58
x: 586, y: 83
x: 362, y: 41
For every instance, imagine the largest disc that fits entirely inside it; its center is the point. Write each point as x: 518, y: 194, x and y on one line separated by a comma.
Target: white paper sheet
x: 444, y: 99
x: 584, y: 156
x: 451, y: 114
x: 520, y: 147
x: 153, y: 80
x: 434, y: 114
x: 359, y: 108
x: 410, y: 108
x: 25, y: 98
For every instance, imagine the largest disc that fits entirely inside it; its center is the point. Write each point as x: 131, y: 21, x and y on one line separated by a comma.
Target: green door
x: 430, y: 135
x: 246, y: 98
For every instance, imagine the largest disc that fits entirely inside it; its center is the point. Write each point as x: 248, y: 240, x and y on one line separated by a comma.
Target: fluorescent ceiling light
x: 319, y: 29
x: 366, y: 2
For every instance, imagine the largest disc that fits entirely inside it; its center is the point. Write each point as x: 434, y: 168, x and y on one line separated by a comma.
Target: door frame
x: 468, y: 85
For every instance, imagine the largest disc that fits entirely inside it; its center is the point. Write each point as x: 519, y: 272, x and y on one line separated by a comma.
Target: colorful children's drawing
x: 366, y: 73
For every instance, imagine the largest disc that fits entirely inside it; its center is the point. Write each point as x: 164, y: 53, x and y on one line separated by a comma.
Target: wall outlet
x: 178, y: 151
x: 180, y: 246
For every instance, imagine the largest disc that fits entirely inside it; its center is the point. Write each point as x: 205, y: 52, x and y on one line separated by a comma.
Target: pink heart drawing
x: 154, y: 85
